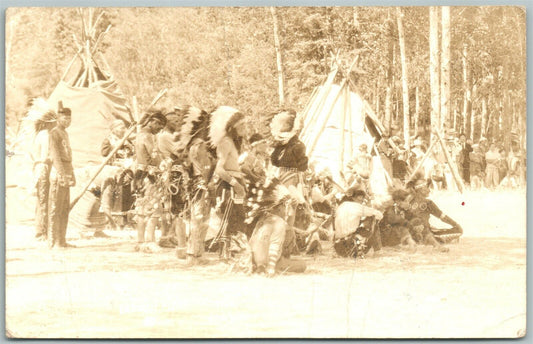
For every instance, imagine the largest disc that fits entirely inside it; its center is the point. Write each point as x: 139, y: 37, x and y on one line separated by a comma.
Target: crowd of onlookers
x: 483, y: 165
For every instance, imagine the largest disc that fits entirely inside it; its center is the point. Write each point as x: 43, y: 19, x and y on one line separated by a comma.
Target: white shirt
x: 349, y: 215
x: 41, y: 146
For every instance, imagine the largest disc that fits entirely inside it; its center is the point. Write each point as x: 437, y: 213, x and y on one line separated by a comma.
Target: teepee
x: 336, y: 121
x: 89, y: 90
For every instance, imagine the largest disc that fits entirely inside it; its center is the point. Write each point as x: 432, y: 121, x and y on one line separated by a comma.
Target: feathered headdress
x: 285, y: 125
x: 194, y: 121
x: 40, y: 110
x: 222, y: 119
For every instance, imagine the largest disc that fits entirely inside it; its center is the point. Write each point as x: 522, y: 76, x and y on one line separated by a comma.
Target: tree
x: 405, y: 83
x: 445, y: 68
x: 434, y: 66
x: 278, y: 57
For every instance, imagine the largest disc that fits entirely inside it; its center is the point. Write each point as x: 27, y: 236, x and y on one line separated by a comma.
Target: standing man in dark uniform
x: 61, y: 179
x: 466, y: 149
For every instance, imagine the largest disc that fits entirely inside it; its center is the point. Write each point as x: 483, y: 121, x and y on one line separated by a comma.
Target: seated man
x: 349, y: 238
x: 420, y: 210
x: 394, y: 227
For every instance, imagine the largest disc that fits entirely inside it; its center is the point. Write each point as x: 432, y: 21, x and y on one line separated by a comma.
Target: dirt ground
x: 104, y: 289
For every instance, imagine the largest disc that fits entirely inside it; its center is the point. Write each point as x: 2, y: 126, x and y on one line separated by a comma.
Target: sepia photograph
x: 265, y: 172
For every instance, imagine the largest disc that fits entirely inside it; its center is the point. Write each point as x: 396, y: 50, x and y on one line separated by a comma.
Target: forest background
x: 460, y: 69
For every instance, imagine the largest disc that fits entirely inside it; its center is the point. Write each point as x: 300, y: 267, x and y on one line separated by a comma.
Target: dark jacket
x: 290, y: 155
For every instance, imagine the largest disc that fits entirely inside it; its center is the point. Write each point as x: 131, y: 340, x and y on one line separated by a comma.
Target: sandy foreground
x: 104, y: 289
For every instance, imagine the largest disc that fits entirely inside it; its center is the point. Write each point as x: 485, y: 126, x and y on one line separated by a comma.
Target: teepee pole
x: 324, y: 95
x: 421, y: 162
x: 98, y: 40
x: 325, y: 122
x: 455, y: 174
x: 343, y: 84
x: 82, y: 78
x: 309, y: 103
x: 350, y: 124
x: 106, y: 65
x: 69, y: 66
x: 102, y: 165
x: 343, y: 127
x: 83, y: 25
x: 97, y: 21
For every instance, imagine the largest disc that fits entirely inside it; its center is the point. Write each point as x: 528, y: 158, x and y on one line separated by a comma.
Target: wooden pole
x: 323, y: 125
x: 70, y: 65
x: 98, y: 40
x: 350, y: 126
x: 343, y: 127
x: 455, y: 174
x: 102, y: 165
x: 421, y: 162
x: 343, y: 84
x: 324, y: 95
x: 157, y: 97
x: 309, y: 103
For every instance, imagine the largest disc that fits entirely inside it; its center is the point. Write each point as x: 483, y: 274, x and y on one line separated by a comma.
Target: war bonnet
x: 222, y: 120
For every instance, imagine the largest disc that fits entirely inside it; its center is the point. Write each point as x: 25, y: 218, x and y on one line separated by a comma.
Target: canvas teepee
x: 337, y: 120
x: 88, y: 89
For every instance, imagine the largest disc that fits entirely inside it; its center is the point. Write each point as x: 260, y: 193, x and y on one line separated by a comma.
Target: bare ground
x: 104, y: 289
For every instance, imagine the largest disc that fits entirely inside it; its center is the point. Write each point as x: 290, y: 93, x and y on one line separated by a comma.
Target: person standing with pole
x: 61, y: 179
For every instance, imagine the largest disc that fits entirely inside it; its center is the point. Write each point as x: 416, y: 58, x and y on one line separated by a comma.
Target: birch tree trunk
x: 434, y: 69
x: 473, y: 115
x: 278, y: 57
x: 483, y: 118
x: 405, y: 83
x: 445, y: 69
x: 467, y: 98
x: 389, y: 82
x: 388, y: 110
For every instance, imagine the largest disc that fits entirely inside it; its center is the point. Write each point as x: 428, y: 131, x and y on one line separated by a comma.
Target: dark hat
x: 63, y: 111
x: 355, y: 191
x: 172, y: 116
x: 256, y: 138
x: 150, y: 116
x: 158, y: 115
